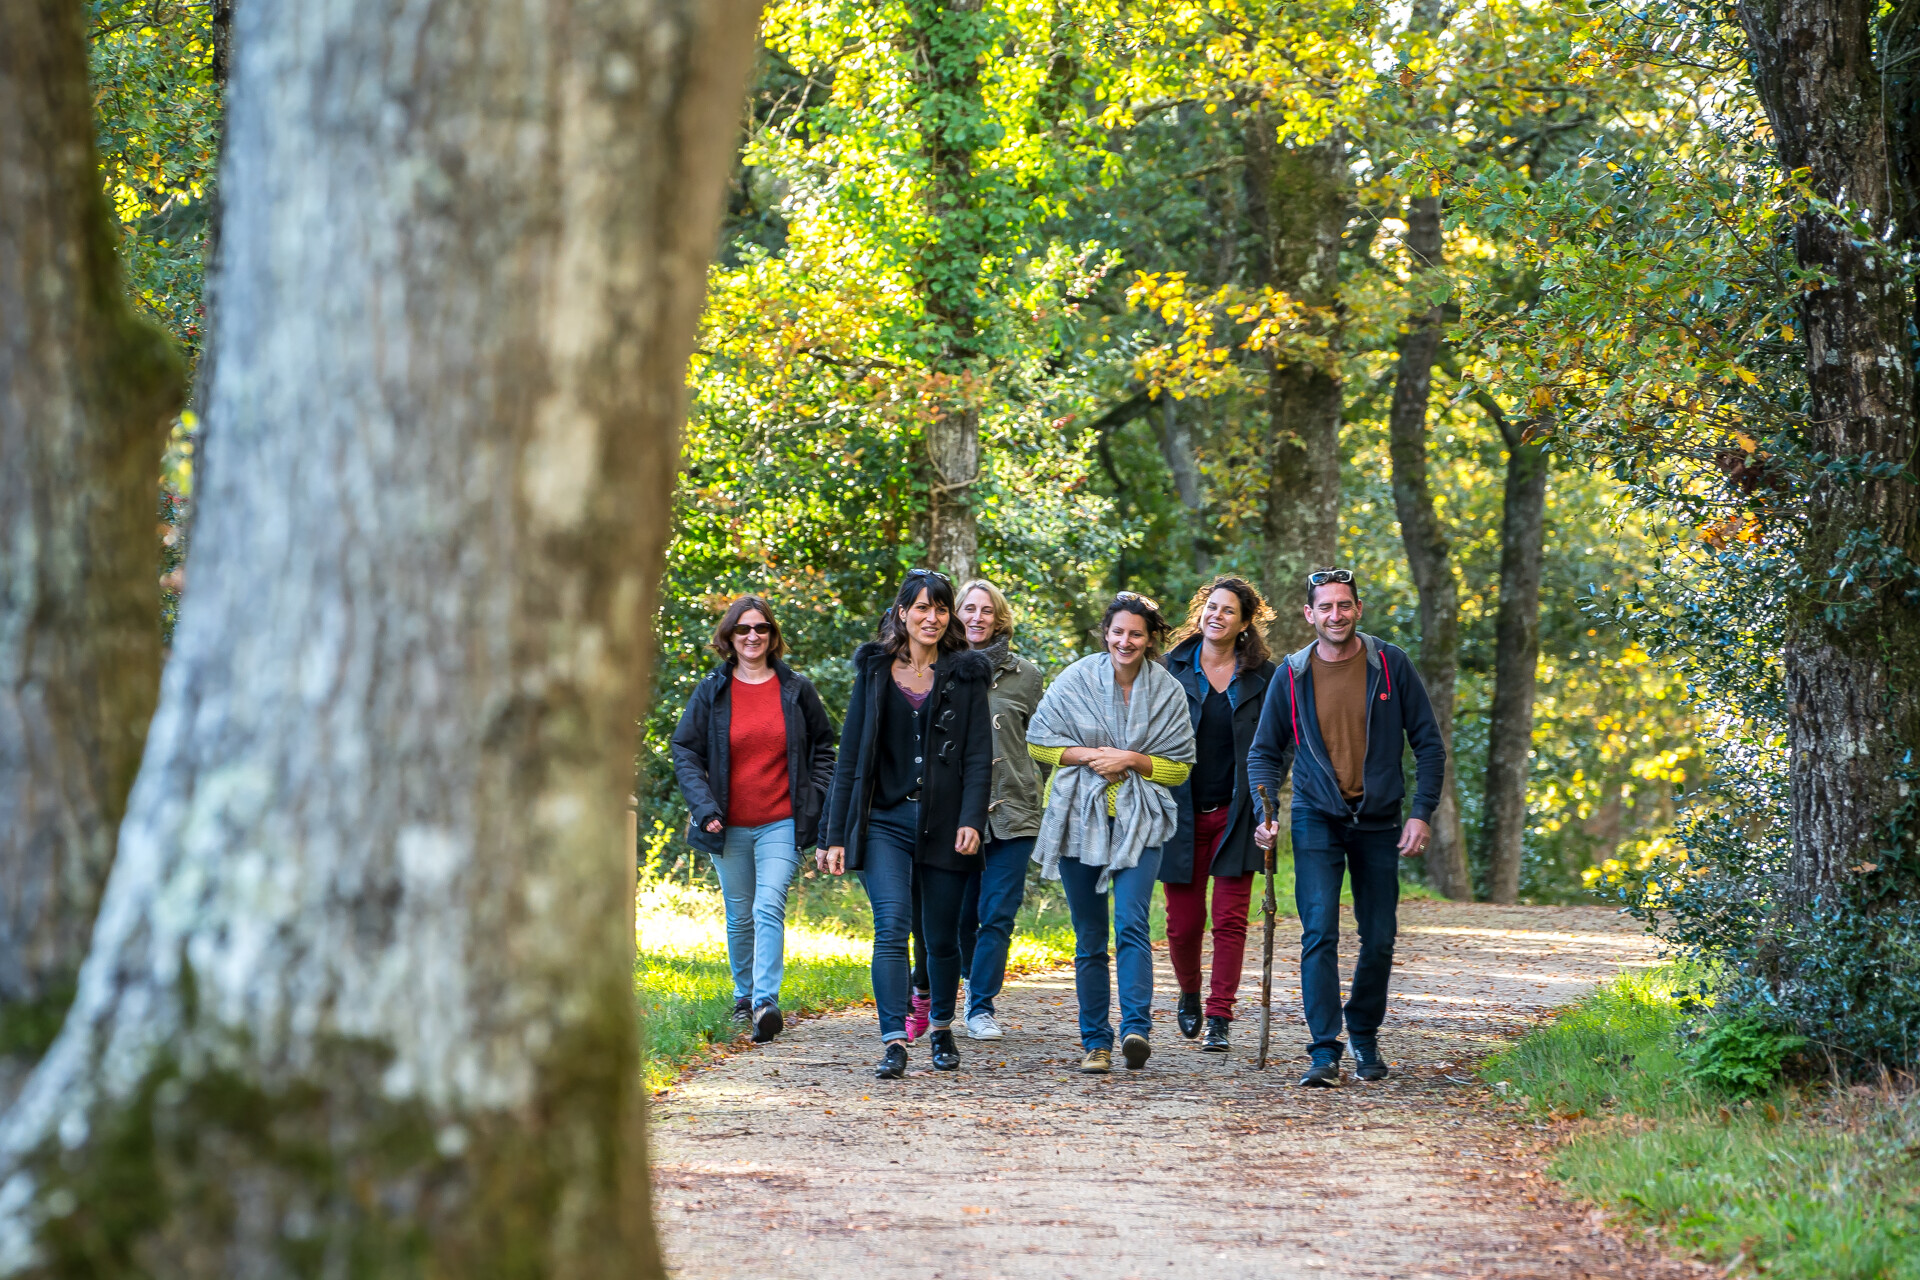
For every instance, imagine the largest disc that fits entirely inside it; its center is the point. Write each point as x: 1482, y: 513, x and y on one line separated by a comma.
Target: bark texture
x: 1516, y: 658
x: 85, y: 390
x: 1298, y: 200
x: 359, y: 1000
x: 1429, y: 549
x: 1176, y: 445
x: 947, y: 50
x: 1853, y: 700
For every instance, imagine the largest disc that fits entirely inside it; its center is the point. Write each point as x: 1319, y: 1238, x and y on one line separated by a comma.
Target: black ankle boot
x: 1190, y: 1014
x: 946, y: 1055
x: 893, y: 1063
x: 1216, y: 1041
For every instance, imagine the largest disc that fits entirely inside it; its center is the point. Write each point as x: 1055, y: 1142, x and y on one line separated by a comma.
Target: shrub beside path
x: 791, y: 1160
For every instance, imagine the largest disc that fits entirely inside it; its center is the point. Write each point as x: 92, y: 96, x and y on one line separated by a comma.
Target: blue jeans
x: 1132, y: 899
x: 890, y: 877
x: 1324, y: 849
x: 756, y: 864
x: 995, y: 891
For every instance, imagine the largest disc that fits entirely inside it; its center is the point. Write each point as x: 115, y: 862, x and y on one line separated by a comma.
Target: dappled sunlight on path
x: 790, y: 1160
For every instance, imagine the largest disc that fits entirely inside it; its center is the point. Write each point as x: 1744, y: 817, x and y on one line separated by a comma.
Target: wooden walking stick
x: 1266, y: 947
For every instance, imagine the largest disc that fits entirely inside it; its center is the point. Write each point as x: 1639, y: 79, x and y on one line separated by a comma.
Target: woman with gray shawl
x: 1114, y: 727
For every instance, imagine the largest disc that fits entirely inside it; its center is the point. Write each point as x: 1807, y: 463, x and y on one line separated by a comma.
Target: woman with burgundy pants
x: 753, y: 754
x: 1220, y: 657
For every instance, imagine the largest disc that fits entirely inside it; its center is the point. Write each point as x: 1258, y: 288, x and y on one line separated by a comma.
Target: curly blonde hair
x: 1251, y: 645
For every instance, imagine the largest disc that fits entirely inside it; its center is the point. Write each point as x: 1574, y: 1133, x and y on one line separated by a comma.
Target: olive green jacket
x: 1014, y: 810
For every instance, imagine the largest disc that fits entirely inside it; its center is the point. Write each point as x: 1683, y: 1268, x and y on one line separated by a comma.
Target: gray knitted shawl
x: 1083, y: 708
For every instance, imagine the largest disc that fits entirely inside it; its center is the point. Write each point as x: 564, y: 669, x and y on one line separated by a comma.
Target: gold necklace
x: 917, y: 671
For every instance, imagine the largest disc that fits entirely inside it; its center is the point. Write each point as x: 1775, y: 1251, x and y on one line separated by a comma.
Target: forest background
x: 1117, y: 246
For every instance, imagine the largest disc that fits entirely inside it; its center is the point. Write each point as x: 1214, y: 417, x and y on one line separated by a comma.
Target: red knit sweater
x: 758, y: 791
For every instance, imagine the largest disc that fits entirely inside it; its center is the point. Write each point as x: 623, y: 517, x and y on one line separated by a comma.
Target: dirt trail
x: 790, y: 1160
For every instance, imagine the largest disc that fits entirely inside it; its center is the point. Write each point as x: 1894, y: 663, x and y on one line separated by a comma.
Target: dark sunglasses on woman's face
x: 754, y: 628
x: 1322, y: 577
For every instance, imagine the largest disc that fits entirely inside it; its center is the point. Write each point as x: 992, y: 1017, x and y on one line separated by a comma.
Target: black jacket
x: 958, y: 778
x: 1237, y: 855
x: 700, y: 754
x: 1396, y: 705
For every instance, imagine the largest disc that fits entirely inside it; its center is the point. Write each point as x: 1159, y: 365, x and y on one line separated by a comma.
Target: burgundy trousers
x: 1187, y: 919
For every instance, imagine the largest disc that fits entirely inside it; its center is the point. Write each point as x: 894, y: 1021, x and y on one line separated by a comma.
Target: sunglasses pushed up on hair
x: 1321, y: 577
x: 1131, y: 596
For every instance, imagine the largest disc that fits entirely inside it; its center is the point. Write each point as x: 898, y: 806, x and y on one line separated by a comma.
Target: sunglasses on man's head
x: 753, y: 628
x: 1321, y: 577
x: 1135, y: 595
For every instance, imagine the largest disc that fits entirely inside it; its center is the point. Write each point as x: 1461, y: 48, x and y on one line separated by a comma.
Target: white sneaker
x: 981, y: 1026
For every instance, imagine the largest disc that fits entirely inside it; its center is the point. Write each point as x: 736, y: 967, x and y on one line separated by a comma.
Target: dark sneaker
x: 1098, y: 1062
x: 946, y: 1055
x: 893, y: 1063
x: 1323, y: 1074
x: 766, y: 1021
x: 742, y: 1011
x: 1136, y: 1051
x: 1190, y: 1014
x: 1216, y: 1041
x: 1367, y: 1063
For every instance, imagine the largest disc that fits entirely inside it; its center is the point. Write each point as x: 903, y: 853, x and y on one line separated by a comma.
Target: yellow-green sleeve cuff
x: 1048, y: 756
x: 1167, y: 773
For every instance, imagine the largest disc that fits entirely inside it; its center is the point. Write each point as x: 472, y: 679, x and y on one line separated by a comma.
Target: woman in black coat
x: 909, y: 799
x: 753, y: 754
x: 1221, y: 658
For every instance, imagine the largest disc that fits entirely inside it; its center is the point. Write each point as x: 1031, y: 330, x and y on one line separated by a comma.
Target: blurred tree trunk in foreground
x: 85, y: 390
x: 358, y: 1001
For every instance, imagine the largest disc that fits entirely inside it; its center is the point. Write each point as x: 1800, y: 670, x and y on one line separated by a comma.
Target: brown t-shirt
x: 1340, y: 704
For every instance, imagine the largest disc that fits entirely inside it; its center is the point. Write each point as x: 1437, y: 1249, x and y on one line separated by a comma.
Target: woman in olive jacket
x: 754, y: 758
x: 909, y: 800
x: 1220, y: 657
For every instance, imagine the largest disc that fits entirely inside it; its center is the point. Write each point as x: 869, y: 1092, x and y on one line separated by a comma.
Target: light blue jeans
x: 756, y: 864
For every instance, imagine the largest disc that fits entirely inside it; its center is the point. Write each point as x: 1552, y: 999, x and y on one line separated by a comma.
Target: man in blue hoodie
x: 1341, y: 712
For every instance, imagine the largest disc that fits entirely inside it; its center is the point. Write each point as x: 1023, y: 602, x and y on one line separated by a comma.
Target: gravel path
x: 790, y: 1160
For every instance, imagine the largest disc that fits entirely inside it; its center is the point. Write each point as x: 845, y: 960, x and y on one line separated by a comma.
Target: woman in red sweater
x: 754, y: 756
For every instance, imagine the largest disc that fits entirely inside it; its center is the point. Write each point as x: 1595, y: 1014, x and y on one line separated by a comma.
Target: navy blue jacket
x: 1397, y: 706
x: 1236, y: 854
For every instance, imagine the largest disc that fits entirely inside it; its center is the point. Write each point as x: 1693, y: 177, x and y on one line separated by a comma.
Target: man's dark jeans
x: 1323, y: 850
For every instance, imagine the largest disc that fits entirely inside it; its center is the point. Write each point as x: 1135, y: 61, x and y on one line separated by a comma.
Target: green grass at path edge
x: 684, y: 988
x: 1806, y: 1183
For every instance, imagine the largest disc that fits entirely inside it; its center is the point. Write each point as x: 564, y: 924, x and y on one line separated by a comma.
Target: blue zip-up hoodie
x: 1396, y: 705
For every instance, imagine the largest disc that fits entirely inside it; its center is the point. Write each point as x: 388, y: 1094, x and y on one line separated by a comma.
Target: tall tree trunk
x: 950, y: 41
x: 1297, y: 198
x: 1853, y: 702
x: 85, y: 390
x: 1516, y: 658
x: 1429, y: 550
x: 359, y: 999
x: 1176, y: 445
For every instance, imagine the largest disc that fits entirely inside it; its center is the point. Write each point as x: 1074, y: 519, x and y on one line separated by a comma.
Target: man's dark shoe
x: 766, y: 1021
x: 742, y: 1011
x: 1323, y: 1074
x: 1136, y: 1051
x: 1190, y: 1014
x: 1367, y: 1063
x: 893, y: 1063
x: 1216, y: 1041
x: 946, y: 1055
